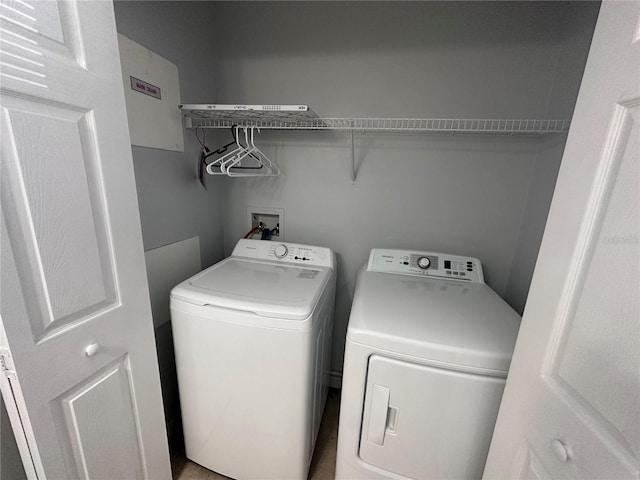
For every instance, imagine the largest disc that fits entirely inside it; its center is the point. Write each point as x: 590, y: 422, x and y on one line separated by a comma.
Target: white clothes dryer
x: 252, y: 338
x: 427, y: 352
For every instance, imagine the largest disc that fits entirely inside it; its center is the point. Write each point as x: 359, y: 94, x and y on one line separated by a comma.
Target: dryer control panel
x: 285, y: 252
x: 426, y: 264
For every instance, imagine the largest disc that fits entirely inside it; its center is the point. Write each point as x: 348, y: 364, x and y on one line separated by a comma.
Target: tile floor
x: 323, y: 464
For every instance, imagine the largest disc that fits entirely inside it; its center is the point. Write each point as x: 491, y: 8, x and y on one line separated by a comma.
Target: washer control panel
x: 426, y: 264
x: 285, y: 252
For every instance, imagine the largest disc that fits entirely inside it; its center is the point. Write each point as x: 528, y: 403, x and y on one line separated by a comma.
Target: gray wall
x: 577, y: 24
x: 173, y: 205
x: 388, y: 59
x: 481, y: 196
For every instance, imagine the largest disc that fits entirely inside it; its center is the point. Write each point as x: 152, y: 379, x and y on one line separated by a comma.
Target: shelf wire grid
x: 397, y: 125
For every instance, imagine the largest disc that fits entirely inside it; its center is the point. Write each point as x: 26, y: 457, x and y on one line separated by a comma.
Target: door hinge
x: 6, y: 364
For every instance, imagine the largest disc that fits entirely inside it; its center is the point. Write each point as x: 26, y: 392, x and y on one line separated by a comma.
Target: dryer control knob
x: 281, y: 251
x: 424, y: 262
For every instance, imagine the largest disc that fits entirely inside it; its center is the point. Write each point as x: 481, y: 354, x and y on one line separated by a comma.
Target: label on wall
x: 144, y: 87
x: 152, y: 94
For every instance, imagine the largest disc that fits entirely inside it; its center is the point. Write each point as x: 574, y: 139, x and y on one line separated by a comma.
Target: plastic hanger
x: 269, y: 168
x: 238, y: 154
x: 231, y: 161
x: 217, y: 166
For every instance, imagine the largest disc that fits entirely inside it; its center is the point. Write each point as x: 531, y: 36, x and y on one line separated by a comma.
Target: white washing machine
x: 252, y: 338
x: 428, y: 349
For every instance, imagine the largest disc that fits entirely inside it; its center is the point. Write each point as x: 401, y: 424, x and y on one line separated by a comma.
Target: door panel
x: 44, y: 20
x: 74, y: 301
x: 588, y: 352
x: 102, y: 425
x: 38, y: 37
x: 69, y: 266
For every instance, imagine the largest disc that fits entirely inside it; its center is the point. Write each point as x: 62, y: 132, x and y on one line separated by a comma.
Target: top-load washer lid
x: 456, y: 324
x: 268, y: 290
x: 257, y: 278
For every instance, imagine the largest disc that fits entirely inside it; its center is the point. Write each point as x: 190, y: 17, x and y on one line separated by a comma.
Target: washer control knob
x: 424, y: 262
x: 281, y: 251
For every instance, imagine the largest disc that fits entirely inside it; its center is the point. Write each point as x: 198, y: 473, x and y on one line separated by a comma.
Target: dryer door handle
x: 378, y: 414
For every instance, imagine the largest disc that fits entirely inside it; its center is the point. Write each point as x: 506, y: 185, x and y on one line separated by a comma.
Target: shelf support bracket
x: 353, y: 154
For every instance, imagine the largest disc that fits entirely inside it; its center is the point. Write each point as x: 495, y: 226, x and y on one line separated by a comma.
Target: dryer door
x: 426, y: 422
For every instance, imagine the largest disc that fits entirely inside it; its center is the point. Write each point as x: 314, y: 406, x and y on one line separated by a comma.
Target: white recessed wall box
x: 269, y: 217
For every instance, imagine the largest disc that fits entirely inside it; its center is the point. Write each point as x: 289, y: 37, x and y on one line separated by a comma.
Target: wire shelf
x: 301, y: 117
x: 381, y: 125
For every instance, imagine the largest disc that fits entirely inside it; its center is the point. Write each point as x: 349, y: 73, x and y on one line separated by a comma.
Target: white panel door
x: 571, y: 407
x: 74, y: 301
